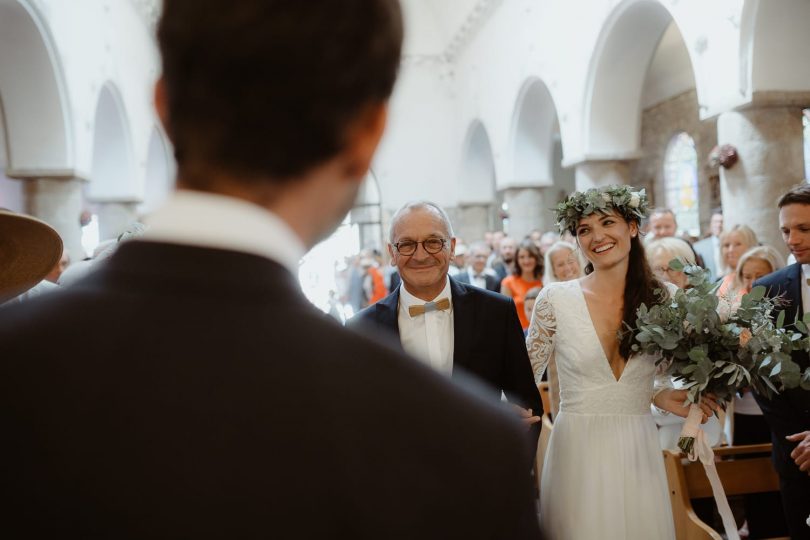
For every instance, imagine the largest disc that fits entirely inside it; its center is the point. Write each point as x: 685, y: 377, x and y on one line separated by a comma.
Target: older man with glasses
x: 451, y: 326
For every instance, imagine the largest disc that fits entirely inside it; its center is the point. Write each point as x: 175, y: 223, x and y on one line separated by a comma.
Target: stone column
x: 58, y: 202
x: 771, y: 160
x: 528, y: 209
x: 115, y: 217
x: 471, y: 221
x: 591, y: 174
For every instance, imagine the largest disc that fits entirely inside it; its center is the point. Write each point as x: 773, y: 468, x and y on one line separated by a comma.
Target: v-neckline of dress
x: 605, y: 362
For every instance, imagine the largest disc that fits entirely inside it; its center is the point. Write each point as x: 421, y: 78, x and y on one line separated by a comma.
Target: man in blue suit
x: 788, y: 413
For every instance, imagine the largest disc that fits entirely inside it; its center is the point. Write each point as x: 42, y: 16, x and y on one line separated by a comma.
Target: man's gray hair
x: 420, y: 205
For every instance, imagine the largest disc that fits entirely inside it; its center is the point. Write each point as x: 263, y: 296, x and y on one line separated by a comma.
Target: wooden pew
x: 687, y: 480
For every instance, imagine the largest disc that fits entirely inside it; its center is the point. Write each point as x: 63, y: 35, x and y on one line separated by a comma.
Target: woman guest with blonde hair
x: 755, y: 263
x: 659, y: 254
x: 562, y: 263
x: 733, y: 243
x: 528, y: 270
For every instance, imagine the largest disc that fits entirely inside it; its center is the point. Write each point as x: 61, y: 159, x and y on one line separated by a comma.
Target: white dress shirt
x: 479, y: 280
x: 220, y: 222
x: 428, y: 337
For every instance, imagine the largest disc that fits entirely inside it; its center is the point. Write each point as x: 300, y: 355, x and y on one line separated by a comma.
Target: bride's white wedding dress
x: 604, y: 474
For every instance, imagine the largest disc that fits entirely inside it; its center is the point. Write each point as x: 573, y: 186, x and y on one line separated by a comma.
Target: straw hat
x: 29, y: 249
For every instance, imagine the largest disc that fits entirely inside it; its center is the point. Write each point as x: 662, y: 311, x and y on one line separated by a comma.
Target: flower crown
x: 631, y: 205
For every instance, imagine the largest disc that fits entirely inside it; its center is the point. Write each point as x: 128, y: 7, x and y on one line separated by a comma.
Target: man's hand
x: 801, y: 454
x: 673, y: 401
x: 526, y: 415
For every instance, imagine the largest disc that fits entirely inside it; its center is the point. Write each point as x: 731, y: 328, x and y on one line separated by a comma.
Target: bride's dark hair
x: 640, y: 287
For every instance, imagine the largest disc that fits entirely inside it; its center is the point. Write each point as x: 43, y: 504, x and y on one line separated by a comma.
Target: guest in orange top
x: 526, y: 276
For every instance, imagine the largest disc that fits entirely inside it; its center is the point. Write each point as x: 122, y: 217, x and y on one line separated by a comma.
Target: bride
x: 603, y: 475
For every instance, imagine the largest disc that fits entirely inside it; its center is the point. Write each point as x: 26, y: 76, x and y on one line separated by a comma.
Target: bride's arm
x: 540, y: 338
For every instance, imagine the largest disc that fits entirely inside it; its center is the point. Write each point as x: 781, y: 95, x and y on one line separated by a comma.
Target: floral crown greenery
x: 631, y: 205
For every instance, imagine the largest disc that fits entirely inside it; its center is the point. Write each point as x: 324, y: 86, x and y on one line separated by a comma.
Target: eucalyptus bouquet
x: 712, y: 349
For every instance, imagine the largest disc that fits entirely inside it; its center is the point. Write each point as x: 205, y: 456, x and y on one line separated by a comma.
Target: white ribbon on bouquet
x: 702, y: 450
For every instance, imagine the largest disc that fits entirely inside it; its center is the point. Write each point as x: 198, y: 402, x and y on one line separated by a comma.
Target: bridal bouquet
x: 711, y: 349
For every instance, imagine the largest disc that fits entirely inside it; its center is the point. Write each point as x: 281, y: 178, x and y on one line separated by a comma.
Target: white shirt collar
x: 217, y: 221
x: 806, y: 271
x: 407, y: 300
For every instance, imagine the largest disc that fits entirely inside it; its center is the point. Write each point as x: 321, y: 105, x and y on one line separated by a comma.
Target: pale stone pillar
x: 58, y: 202
x: 771, y: 160
x: 115, y: 217
x: 528, y: 209
x: 471, y: 221
x: 591, y: 174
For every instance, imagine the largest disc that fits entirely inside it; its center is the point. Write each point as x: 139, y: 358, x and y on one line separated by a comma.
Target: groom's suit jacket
x: 488, y: 342
x: 789, y: 412
x: 187, y: 392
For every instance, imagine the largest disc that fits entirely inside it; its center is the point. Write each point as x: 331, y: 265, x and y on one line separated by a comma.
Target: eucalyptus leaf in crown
x: 712, y: 348
x: 632, y: 205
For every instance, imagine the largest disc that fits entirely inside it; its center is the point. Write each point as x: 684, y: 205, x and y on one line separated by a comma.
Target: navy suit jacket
x: 788, y: 412
x: 488, y: 342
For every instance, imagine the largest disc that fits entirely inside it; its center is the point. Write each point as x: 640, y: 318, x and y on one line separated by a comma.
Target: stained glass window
x: 681, y: 183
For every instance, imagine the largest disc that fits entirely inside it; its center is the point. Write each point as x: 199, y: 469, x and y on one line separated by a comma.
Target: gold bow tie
x: 439, y: 305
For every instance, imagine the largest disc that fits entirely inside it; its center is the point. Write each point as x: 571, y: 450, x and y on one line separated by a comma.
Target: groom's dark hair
x: 797, y: 195
x: 268, y: 89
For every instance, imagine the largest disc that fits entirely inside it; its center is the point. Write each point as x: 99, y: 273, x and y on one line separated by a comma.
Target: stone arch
x: 160, y: 171
x: 477, y: 178
x: 770, y: 34
x: 112, y: 169
x: 534, y: 127
x: 32, y: 88
x: 616, y: 75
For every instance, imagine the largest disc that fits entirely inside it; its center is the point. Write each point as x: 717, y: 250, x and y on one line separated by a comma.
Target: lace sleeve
x: 540, y: 338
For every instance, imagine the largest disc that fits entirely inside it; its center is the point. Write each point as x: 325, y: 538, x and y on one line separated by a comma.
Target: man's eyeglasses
x: 431, y: 245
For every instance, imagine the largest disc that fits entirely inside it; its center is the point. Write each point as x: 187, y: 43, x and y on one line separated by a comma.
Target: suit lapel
x: 793, y: 289
x: 463, y: 324
x: 387, y: 312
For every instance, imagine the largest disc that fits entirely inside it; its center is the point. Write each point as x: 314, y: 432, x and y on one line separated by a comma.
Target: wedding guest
x: 215, y: 401
x: 477, y: 273
x: 756, y: 263
x: 505, y: 264
x: 709, y: 247
x: 733, y: 243
x: 562, y: 263
x: 61, y: 266
x: 527, y: 274
x: 528, y: 302
x: 661, y: 251
x: 663, y: 223
x: 546, y: 241
x: 450, y: 326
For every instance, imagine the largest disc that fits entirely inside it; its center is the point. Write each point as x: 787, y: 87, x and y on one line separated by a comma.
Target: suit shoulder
x: 780, y: 276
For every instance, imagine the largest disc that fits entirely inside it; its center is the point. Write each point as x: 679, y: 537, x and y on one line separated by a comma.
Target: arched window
x: 681, y: 182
